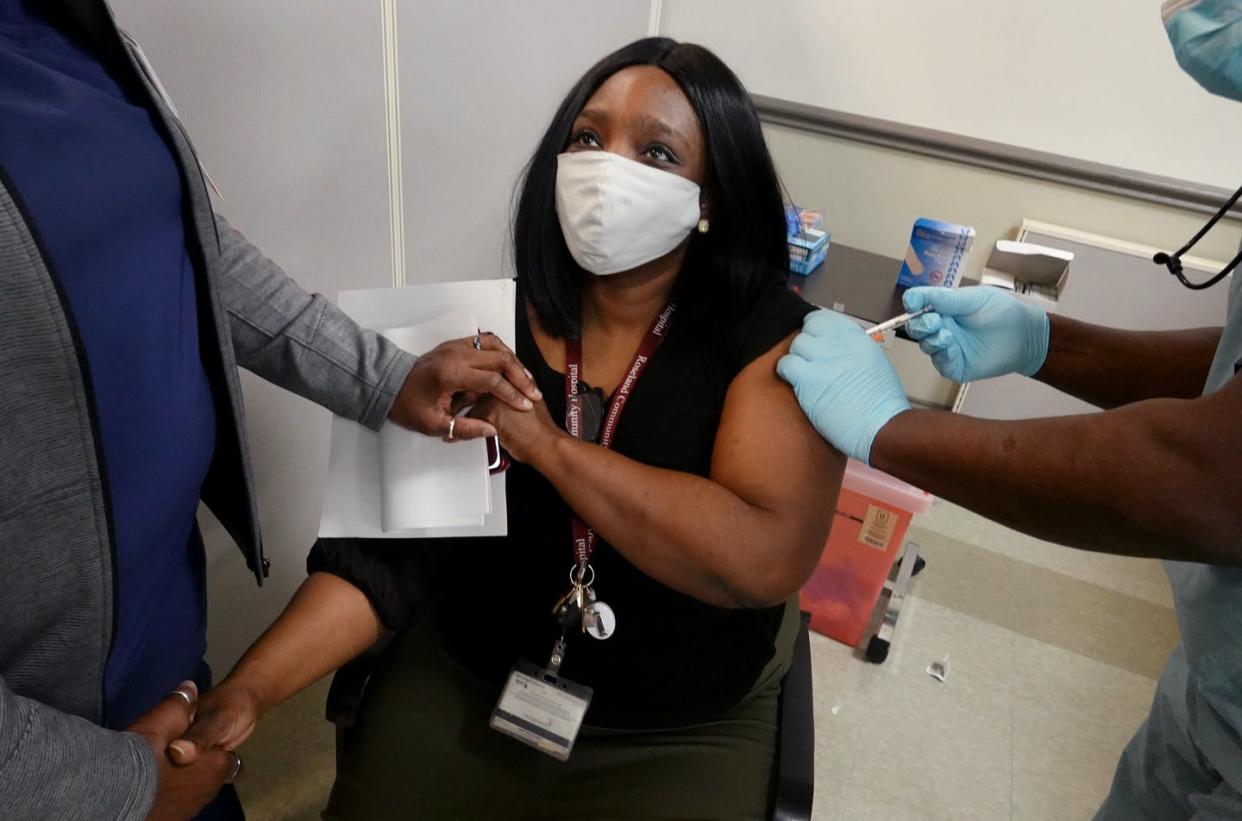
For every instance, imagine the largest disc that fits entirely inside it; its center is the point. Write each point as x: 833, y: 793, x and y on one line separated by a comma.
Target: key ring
x: 578, y: 572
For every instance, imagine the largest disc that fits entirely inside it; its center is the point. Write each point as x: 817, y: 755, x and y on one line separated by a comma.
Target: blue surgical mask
x: 1207, y: 41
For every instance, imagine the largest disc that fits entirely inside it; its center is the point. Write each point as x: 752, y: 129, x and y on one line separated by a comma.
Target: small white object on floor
x: 939, y: 670
x: 836, y: 709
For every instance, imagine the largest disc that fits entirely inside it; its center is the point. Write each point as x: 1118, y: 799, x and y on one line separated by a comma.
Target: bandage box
x: 808, y: 241
x: 873, y: 513
x: 1035, y: 273
x: 808, y: 250
x: 937, y: 254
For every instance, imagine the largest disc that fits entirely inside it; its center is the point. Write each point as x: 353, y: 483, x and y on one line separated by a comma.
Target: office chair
x: 793, y: 771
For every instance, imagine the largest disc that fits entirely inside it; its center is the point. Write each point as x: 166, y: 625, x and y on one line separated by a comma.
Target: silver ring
x: 477, y: 343
x: 452, y: 424
x: 237, y: 768
x: 578, y: 575
x: 189, y: 702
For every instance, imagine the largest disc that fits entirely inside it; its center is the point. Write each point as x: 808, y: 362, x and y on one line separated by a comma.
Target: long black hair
x: 745, y: 247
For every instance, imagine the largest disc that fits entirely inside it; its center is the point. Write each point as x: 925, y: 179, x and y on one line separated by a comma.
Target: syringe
x: 897, y: 321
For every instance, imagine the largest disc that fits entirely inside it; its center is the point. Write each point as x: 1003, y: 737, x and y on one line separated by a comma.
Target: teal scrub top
x: 1208, y: 600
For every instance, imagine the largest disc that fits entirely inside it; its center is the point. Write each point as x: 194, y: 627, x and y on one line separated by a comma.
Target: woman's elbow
x: 761, y: 599
x: 773, y: 582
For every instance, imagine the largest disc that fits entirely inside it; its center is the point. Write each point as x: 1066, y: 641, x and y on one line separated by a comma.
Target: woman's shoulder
x: 763, y: 320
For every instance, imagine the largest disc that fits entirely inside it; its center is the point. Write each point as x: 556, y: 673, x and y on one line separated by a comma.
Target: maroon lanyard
x: 584, y: 537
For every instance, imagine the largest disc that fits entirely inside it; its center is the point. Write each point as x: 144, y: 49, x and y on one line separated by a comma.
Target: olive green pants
x: 422, y: 749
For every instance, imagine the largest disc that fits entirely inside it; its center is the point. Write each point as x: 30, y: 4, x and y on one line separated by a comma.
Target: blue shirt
x: 102, y: 190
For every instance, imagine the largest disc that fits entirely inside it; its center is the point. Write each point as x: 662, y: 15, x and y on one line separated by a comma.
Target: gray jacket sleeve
x: 303, y: 342
x: 55, y: 765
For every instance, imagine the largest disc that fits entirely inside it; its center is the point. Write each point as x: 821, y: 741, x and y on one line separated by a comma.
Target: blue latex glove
x: 843, y: 381
x: 978, y: 332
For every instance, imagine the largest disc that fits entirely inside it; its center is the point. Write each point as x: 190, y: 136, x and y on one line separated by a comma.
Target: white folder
x: 400, y: 484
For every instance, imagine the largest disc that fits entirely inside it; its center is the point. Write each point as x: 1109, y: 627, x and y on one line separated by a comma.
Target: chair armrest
x: 794, y: 774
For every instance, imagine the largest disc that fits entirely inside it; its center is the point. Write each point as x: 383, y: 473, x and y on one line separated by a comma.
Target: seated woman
x: 651, y: 221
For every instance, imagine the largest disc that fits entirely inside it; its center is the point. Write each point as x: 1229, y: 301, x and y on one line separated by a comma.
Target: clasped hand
x: 455, y: 374
x: 186, y: 782
x: 524, y: 434
x: 499, y: 393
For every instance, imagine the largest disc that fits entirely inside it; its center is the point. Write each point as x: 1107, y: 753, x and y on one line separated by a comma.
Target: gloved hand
x: 843, y: 381
x: 978, y: 332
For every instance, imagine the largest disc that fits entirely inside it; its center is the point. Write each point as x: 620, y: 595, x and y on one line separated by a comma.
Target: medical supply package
x: 807, y: 238
x: 808, y: 250
x: 1035, y: 273
x: 937, y: 254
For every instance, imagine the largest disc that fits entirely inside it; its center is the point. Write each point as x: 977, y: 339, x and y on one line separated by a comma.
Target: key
x: 586, y: 597
x: 569, y: 613
x: 564, y: 600
x: 569, y: 616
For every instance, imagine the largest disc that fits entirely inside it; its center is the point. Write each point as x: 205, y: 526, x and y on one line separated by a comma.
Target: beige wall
x: 477, y: 92
x: 871, y: 196
x: 1093, y: 79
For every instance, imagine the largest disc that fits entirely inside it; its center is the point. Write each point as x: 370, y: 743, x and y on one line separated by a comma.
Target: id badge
x: 541, y: 710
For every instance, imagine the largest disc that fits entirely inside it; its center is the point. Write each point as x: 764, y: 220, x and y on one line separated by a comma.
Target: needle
x: 897, y: 321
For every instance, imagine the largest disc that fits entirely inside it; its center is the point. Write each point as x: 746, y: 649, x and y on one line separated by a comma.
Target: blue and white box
x: 808, y: 241
x: 807, y: 250
x: 937, y: 253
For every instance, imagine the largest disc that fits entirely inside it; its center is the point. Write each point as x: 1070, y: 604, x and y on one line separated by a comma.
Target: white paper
x: 351, y: 505
x: 426, y: 482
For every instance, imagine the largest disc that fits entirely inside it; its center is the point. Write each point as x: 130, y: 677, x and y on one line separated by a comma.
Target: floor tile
x: 1108, y: 701
x: 1141, y: 578
x: 1098, y: 622
x: 906, y: 745
x: 1072, y: 718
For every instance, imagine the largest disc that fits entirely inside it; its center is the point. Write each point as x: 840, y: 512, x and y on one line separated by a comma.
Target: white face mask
x: 617, y: 214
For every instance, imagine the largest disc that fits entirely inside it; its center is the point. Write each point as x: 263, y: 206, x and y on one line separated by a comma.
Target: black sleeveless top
x: 673, y: 660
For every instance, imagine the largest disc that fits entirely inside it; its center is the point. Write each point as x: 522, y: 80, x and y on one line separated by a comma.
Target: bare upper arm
x: 767, y: 453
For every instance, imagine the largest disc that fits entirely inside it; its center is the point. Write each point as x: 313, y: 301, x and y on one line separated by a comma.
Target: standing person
x: 126, y: 305
x: 1158, y: 474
